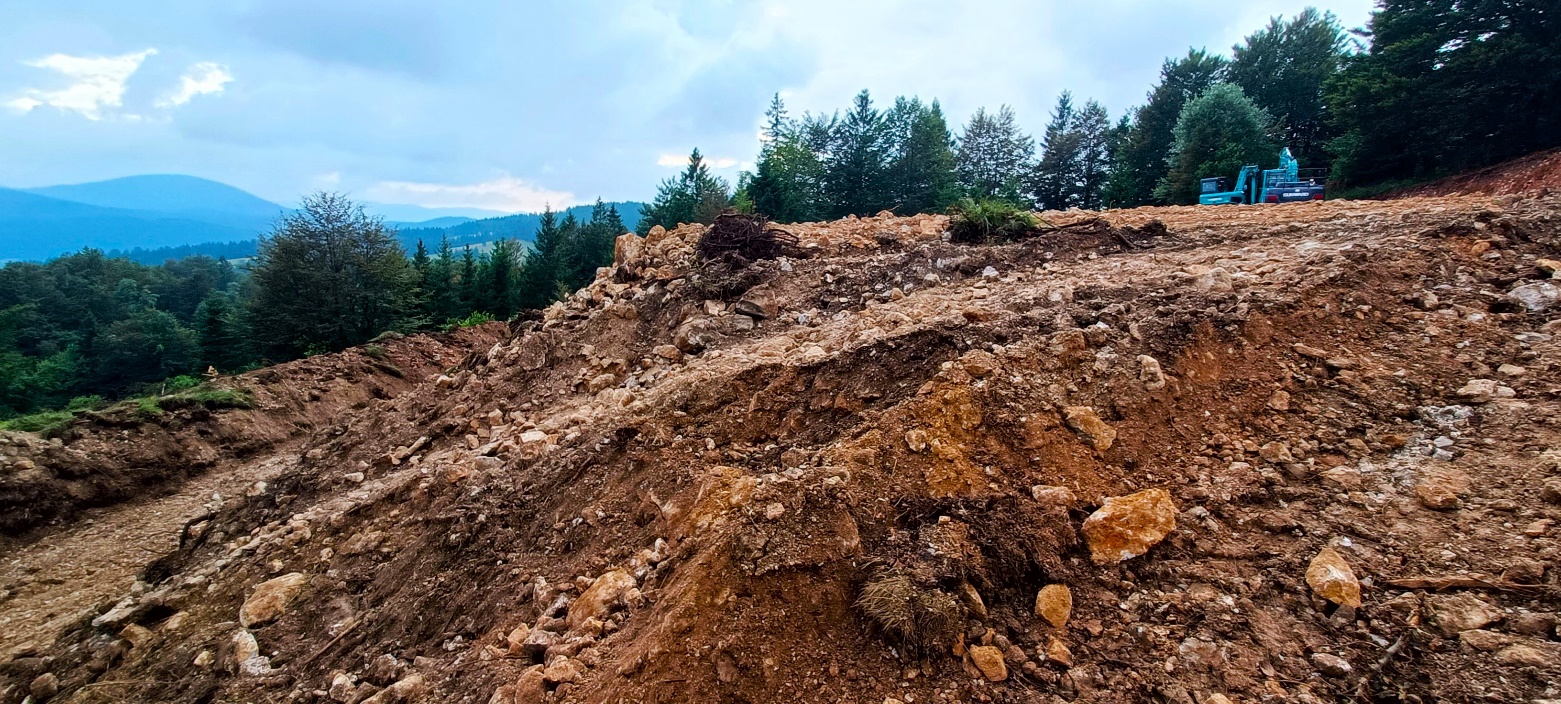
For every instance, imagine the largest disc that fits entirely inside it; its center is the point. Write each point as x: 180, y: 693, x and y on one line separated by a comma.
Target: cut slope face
x: 1126, y: 464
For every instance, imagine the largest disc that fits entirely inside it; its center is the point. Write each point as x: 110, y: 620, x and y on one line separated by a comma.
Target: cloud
x: 678, y: 161
x: 506, y: 193
x: 98, y: 83
x: 204, y: 78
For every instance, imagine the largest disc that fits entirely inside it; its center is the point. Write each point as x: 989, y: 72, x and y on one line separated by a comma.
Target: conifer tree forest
x: 1426, y: 89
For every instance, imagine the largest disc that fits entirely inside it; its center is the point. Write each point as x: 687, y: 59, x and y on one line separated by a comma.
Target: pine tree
x: 1096, y: 144
x: 855, y: 171
x: 471, y: 293
x: 921, y: 174
x: 217, y: 333
x: 443, y: 297
x: 993, y: 155
x: 788, y: 175
x: 1056, y: 177
x: 1141, y: 162
x: 499, y: 278
x: 694, y: 196
x: 1217, y: 133
x: 329, y: 276
x: 539, y: 271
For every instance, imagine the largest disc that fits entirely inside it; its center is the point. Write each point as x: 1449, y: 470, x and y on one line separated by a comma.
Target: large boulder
x: 595, y: 601
x: 271, y: 599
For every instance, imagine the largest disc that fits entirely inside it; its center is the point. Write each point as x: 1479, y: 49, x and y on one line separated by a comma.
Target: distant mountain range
x: 152, y: 218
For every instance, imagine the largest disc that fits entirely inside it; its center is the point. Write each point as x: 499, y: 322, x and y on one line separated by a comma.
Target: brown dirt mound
x: 650, y: 495
x: 1535, y: 174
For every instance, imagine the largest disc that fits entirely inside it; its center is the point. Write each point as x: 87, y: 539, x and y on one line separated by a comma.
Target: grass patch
x: 989, y: 220
x: 211, y: 397
x: 47, y: 423
x: 374, y: 351
x: 476, y: 318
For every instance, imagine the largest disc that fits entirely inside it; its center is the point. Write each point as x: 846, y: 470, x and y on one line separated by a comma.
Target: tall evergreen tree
x: 1217, y: 133
x: 328, y: 276
x: 443, y: 298
x: 1141, y: 163
x: 694, y: 196
x: 1447, y: 85
x: 921, y: 174
x: 499, y: 278
x: 539, y: 271
x: 1283, y: 68
x: 1097, y: 142
x: 1056, y: 175
x: 788, y: 176
x: 993, y: 155
x: 218, y: 333
x: 470, y: 285
x: 855, y: 171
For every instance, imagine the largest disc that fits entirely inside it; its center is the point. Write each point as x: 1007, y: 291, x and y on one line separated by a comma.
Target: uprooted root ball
x: 745, y: 238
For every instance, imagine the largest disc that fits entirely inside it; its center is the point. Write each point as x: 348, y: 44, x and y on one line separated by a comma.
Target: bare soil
x: 669, y: 498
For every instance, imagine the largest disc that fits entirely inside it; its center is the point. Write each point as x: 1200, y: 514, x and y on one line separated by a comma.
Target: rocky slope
x: 1301, y: 452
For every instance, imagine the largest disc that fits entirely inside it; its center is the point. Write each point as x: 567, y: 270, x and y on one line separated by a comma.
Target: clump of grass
x: 476, y: 318
x: 917, y: 616
x: 387, y: 336
x: 47, y: 423
x: 211, y: 397
x: 374, y: 351
x: 989, y: 220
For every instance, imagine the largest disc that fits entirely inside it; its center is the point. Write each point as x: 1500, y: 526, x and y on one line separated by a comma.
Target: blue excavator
x: 1287, y: 184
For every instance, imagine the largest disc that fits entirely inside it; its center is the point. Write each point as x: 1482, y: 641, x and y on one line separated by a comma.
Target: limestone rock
x: 1483, y: 391
x: 627, y: 249
x: 916, y: 441
x: 1054, y: 602
x: 1331, y: 578
x: 1058, y: 652
x: 972, y: 600
x: 1536, y: 297
x: 1048, y: 495
x: 595, y: 601
x: 517, y: 639
x: 989, y: 660
x: 1216, y: 280
x: 1455, y: 613
x: 1127, y: 526
x: 409, y: 689
x: 1441, y: 487
x: 1276, y: 452
x: 1083, y: 420
x: 44, y: 686
x: 271, y: 599
x: 1150, y: 373
x: 1332, y: 665
x: 1279, y: 400
x: 563, y: 670
x: 1531, y: 654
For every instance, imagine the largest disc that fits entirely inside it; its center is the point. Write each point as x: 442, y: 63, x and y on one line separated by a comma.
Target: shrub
x: 476, y: 318
x: 180, y: 383
x: 374, y: 351
x: 85, y: 403
x: 989, y: 220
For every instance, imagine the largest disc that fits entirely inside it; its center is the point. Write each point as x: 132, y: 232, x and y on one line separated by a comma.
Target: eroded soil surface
x: 1296, y: 453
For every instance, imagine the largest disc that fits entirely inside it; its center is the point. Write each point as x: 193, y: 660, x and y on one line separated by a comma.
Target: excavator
x: 1287, y: 184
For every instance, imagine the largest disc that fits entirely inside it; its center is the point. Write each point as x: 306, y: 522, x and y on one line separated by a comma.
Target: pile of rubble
x: 1298, y: 453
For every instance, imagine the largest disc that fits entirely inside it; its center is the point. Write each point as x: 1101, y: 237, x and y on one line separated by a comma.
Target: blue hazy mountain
x: 33, y: 226
x: 411, y: 214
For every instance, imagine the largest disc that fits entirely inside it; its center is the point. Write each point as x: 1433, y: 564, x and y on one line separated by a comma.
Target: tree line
x: 1428, y: 88
x: 88, y: 326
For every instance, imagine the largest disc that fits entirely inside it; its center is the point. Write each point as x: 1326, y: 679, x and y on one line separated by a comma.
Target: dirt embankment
x: 1296, y: 453
x: 107, y: 457
x: 1537, y: 174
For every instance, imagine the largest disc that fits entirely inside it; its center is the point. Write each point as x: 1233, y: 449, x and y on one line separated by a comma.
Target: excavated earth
x: 1304, y: 453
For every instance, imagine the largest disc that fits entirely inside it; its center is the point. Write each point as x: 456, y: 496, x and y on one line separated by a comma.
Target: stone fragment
x: 1048, y: 495
x: 1483, y: 640
x: 1276, y: 452
x: 1127, y: 526
x: 517, y: 639
x: 1440, y: 488
x: 535, y: 646
x: 627, y: 249
x: 603, y: 593
x: 1150, y: 373
x: 1511, y: 370
x: 989, y: 660
x: 916, y: 441
x: 971, y: 597
x: 1549, y: 266
x: 1083, y: 420
x: 1483, y: 391
x: 1536, y: 297
x: 271, y: 598
x: 1332, y: 665
x: 1054, y: 602
x: 1309, y: 352
x: 1279, y: 400
x: 1455, y: 613
x: 44, y: 686
x: 562, y: 670
x: 1058, y: 652
x: 1531, y: 654
x: 343, y: 687
x: 1331, y: 578
x: 137, y: 634
x: 407, y: 690
x: 668, y: 352
x: 1216, y: 280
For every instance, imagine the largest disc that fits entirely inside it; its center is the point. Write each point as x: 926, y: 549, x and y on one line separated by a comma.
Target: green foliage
x: 1283, y: 68
x: 329, y: 276
x: 994, y: 155
x: 921, y: 173
x: 1447, y: 86
x: 1217, y: 133
x: 470, y: 321
x: 374, y: 351
x: 47, y: 423
x: 695, y: 196
x: 1075, y: 157
x: 856, y: 171
x: 180, y: 383
x: 986, y: 220
x: 206, y: 395
x: 1140, y: 163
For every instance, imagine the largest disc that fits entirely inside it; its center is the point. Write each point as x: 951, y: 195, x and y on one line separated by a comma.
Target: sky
x: 510, y: 106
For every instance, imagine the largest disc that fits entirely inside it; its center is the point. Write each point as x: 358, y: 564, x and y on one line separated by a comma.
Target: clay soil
x: 675, y: 484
